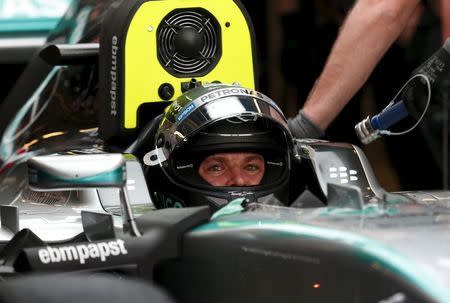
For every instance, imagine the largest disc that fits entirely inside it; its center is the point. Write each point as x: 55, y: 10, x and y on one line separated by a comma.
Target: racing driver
x: 217, y: 143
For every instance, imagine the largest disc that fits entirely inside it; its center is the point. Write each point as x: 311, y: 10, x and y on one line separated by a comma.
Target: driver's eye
x: 215, y: 168
x: 252, y: 167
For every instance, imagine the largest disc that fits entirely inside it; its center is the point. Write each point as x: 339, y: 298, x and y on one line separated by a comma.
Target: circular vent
x: 189, y: 42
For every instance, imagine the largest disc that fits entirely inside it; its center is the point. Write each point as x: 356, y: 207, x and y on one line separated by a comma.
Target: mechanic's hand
x: 302, y: 127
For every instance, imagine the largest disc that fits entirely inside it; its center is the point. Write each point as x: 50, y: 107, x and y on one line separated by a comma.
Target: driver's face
x: 232, y: 169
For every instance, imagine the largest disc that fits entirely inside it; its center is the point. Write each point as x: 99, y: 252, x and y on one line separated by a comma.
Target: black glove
x: 302, y: 127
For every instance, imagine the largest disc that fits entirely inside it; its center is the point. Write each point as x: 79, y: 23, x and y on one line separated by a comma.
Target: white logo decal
x: 185, y: 166
x: 275, y: 163
x: 113, y: 91
x: 82, y: 252
x: 343, y: 174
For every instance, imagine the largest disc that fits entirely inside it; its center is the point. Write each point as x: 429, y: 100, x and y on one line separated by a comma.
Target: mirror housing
x: 70, y: 172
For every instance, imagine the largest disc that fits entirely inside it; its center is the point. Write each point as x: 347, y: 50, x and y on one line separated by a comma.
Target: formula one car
x: 67, y: 175
x: 364, y: 245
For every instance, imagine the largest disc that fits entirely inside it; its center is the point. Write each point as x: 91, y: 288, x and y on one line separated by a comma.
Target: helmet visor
x: 197, y: 115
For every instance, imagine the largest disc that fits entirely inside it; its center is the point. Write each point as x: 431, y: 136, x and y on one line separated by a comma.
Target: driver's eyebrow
x: 224, y: 159
x: 216, y: 157
x: 254, y: 157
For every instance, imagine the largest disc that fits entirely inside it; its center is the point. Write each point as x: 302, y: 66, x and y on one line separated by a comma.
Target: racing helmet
x: 213, y: 119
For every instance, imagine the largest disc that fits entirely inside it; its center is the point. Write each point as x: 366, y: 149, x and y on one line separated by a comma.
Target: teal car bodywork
x: 401, y: 241
x: 28, y: 17
x: 31, y: 17
x: 25, y: 26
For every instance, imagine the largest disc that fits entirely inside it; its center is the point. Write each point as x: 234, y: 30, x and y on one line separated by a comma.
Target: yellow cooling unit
x: 153, y: 51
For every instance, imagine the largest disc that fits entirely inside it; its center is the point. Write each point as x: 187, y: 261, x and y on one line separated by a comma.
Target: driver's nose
x: 236, y: 178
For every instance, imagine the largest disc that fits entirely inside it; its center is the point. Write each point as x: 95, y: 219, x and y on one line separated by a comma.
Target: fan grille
x: 209, y: 53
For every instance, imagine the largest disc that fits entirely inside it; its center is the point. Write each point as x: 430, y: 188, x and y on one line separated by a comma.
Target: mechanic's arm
x: 287, y: 6
x: 369, y: 30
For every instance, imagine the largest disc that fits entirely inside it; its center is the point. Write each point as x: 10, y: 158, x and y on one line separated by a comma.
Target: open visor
x: 185, y: 169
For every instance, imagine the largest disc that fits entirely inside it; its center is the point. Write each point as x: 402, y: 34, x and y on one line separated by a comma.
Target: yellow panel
x: 143, y: 72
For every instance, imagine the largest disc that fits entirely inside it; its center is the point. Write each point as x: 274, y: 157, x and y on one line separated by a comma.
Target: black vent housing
x: 189, y: 42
